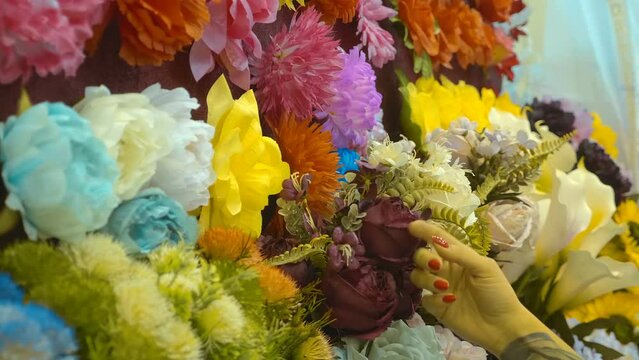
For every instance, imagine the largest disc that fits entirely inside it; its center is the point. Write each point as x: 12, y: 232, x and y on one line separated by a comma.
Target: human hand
x: 471, y: 296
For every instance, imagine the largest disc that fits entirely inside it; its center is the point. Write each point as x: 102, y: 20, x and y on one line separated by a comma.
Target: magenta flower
x: 298, y: 69
x: 351, y: 112
x: 47, y: 37
x: 378, y: 41
x: 230, y: 39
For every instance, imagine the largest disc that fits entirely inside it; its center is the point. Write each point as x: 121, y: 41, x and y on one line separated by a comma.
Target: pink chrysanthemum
x: 351, y: 112
x: 47, y: 37
x: 379, y: 42
x: 298, y: 68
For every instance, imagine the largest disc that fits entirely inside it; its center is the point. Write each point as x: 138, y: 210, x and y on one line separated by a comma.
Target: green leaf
x: 606, y: 352
x: 314, y: 251
x: 557, y: 321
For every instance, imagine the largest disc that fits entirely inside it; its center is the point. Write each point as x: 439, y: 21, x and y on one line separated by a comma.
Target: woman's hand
x: 471, y: 296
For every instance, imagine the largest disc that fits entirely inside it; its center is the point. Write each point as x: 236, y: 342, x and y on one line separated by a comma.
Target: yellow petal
x: 24, y: 102
x: 219, y: 101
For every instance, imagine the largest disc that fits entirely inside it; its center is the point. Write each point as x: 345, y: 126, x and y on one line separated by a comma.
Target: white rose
x: 512, y: 223
x: 135, y: 132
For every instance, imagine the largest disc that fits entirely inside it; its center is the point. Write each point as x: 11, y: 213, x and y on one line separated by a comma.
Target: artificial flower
x: 58, y: 174
x: 192, y: 150
x: 385, y: 233
x: 229, y: 244
x: 609, y: 340
x: 494, y: 10
x: 47, y: 37
x: 583, y: 120
x: 153, y: 32
x: 275, y: 284
x: 596, y: 160
x: 347, y: 160
x: 456, y: 349
x: 319, y: 160
x: 624, y: 304
x: 249, y: 166
x: 604, y: 135
x: 136, y: 134
x: 229, y: 36
x: 389, y: 153
x: 559, y: 120
x: 350, y: 114
x: 290, y: 3
x: 379, y: 43
x: 271, y: 246
x: 626, y: 246
x: 149, y: 220
x: 512, y: 223
x: 585, y: 352
x: 10, y: 290
x: 222, y: 321
x: 299, y: 66
x: 315, y: 347
x: 362, y: 301
x: 332, y: 10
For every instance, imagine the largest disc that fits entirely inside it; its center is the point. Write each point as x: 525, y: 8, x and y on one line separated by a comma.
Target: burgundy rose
x: 363, y: 301
x: 301, y: 272
x: 385, y: 233
x: 409, y: 295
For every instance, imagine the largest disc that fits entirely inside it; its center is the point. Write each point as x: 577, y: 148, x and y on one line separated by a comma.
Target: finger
x: 426, y: 259
x: 448, y: 247
x: 438, y: 303
x: 425, y: 280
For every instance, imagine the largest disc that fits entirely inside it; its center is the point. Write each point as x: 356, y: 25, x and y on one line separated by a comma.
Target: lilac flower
x: 583, y: 120
x: 350, y: 114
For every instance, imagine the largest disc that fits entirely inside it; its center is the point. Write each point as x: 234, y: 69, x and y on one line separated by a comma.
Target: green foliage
x: 476, y: 235
x: 413, y: 187
x: 352, y: 221
x: 314, y: 251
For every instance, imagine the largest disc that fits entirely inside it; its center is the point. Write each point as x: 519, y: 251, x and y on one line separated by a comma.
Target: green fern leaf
x: 314, y: 251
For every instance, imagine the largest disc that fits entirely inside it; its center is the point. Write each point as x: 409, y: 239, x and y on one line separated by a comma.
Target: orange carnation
x: 153, y: 31
x: 494, y: 10
x: 309, y: 150
x: 336, y: 9
x: 419, y: 19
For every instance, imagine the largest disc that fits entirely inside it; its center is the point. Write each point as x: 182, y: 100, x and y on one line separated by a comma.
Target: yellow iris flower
x: 249, y: 166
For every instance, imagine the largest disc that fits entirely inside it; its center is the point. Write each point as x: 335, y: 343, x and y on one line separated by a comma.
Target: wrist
x: 518, y: 325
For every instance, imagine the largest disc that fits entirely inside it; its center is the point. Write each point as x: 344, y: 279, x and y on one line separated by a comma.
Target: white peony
x: 186, y: 173
x: 457, y: 349
x: 135, y: 132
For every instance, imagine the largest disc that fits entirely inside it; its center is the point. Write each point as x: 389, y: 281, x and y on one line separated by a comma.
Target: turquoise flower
x: 347, y: 160
x: 31, y: 331
x: 58, y: 174
x: 398, y: 342
x: 150, y: 220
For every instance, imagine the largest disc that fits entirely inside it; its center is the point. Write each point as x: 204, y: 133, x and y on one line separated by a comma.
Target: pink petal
x: 241, y: 19
x: 264, y: 11
x: 214, y: 35
x: 253, y: 45
x: 201, y: 60
x: 239, y: 77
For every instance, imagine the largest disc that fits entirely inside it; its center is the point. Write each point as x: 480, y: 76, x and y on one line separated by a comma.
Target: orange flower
x: 309, y: 150
x: 418, y: 17
x: 230, y: 244
x: 153, y: 31
x: 336, y: 9
x: 494, y: 10
x: 275, y: 284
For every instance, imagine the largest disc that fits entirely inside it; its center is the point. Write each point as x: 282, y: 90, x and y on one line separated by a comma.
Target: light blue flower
x: 58, y: 174
x: 31, y: 331
x: 398, y: 342
x: 149, y: 220
x: 347, y: 160
x: 9, y: 290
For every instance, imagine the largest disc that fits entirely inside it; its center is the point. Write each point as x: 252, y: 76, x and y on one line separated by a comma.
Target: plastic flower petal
x: 350, y: 114
x: 249, y: 166
x: 332, y: 10
x: 604, y: 136
x: 58, y: 174
x: 298, y: 68
x: 136, y: 133
x: 347, y: 160
x: 47, y: 37
x: 619, y: 303
x: 154, y: 31
x: 379, y: 42
x: 186, y: 173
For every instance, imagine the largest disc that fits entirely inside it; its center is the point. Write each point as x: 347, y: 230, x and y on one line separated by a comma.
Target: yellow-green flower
x: 249, y: 166
x: 604, y: 136
x: 434, y: 104
x: 624, y: 304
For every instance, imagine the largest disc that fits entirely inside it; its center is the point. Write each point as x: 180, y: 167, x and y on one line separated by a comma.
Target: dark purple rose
x: 409, y: 295
x: 601, y: 164
x: 559, y: 122
x: 301, y: 272
x: 362, y: 301
x: 385, y: 231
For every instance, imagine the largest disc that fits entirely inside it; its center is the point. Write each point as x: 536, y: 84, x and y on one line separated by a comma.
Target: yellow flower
x: 249, y: 166
x: 626, y: 247
x: 604, y: 136
x: 289, y: 3
x: 315, y: 347
x: 435, y: 104
x: 620, y: 303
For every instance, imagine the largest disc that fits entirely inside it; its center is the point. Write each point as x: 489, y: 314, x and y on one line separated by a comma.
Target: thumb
x: 449, y: 248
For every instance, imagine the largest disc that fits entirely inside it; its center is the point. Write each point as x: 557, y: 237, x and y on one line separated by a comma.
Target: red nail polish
x: 439, y: 241
x: 441, y: 284
x: 434, y: 264
x: 450, y: 298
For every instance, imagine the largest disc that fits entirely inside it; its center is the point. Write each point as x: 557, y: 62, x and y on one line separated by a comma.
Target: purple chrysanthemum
x: 600, y: 163
x: 559, y: 121
x: 350, y: 114
x: 583, y: 120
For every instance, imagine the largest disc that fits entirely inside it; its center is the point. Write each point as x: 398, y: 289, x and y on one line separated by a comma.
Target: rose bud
x: 511, y: 223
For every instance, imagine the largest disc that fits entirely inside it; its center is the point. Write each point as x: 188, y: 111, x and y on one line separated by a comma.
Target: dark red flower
x: 271, y: 246
x: 362, y: 301
x: 385, y: 231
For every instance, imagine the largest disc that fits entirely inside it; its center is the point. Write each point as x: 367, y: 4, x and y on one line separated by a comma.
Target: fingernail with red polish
x: 434, y: 264
x: 440, y: 241
x: 449, y: 298
x: 441, y: 284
